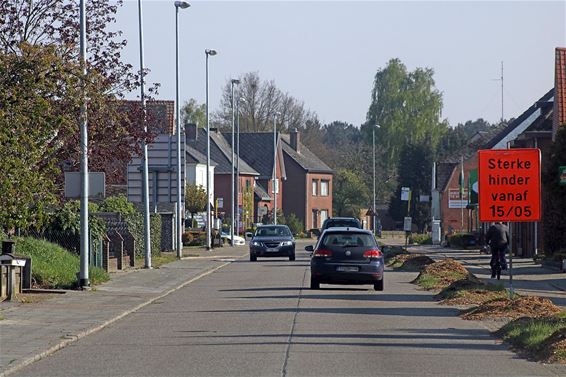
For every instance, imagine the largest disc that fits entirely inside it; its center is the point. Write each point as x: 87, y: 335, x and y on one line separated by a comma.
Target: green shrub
x: 420, y: 239
x: 295, y: 224
x: 118, y: 203
x: 53, y: 266
x: 463, y: 240
x: 135, y: 226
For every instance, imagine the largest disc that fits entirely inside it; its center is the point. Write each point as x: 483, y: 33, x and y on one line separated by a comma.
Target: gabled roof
x: 195, y: 157
x: 161, y: 113
x: 220, y: 152
x: 519, y: 125
x: 306, y: 159
x: 261, y: 192
x: 256, y: 148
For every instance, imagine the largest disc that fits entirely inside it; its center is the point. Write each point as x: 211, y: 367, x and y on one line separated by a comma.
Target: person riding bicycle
x: 497, y: 238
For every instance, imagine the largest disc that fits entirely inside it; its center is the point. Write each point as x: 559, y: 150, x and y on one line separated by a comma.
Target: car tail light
x: 323, y: 253
x: 373, y: 254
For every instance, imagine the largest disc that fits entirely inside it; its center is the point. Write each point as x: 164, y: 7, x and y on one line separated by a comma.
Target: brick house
x: 220, y: 156
x: 308, y: 188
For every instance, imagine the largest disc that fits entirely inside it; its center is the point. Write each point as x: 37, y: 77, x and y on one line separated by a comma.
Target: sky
x: 326, y: 53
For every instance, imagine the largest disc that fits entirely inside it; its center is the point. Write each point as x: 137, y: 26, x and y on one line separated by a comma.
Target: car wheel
x: 253, y: 258
x: 292, y: 257
x: 379, y: 285
x: 315, y: 284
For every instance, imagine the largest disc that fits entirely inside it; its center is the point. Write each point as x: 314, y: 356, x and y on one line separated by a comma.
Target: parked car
x: 340, y: 222
x: 238, y: 241
x: 272, y: 241
x: 346, y: 256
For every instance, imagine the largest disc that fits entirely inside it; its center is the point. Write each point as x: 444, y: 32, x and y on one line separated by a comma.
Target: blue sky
x: 326, y: 53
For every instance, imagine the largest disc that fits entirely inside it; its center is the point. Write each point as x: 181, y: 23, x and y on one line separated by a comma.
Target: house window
x: 323, y: 214
x: 314, y: 187
x: 324, y: 188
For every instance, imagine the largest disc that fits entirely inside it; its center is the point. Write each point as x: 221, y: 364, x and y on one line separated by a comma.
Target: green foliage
x: 192, y: 112
x: 414, y: 171
x: 295, y: 224
x: 350, y: 194
x: 407, y: 106
x: 195, y: 199
x: 53, y: 266
x: 118, y: 203
x: 462, y: 240
x: 554, y: 198
x: 420, y: 239
x: 135, y: 226
x: 530, y: 333
x: 68, y: 219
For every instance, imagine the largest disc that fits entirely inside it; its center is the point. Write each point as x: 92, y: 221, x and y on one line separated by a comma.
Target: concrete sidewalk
x: 29, y: 332
x: 528, y: 278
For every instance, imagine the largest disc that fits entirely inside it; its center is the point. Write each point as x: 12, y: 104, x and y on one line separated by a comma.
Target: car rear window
x: 348, y: 240
x: 342, y: 224
x: 270, y: 231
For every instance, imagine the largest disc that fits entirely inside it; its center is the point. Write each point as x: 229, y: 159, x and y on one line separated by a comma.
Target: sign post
x: 509, y: 187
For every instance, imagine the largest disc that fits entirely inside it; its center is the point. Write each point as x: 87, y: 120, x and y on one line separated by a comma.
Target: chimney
x: 191, y: 130
x: 295, y: 140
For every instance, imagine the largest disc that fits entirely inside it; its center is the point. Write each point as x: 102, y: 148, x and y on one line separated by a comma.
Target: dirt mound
x: 441, y: 274
x: 469, y: 291
x: 415, y: 262
x: 553, y: 349
x: 523, y: 306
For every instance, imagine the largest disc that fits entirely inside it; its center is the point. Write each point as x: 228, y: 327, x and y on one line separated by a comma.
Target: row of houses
x: 303, y: 184
x: 536, y: 127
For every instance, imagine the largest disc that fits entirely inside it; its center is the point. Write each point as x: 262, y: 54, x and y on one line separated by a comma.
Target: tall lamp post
x: 182, y: 5
x: 83, y: 275
x: 145, y: 173
x: 374, y: 209
x: 233, y: 82
x: 238, y: 162
x: 275, y: 168
x: 208, y: 52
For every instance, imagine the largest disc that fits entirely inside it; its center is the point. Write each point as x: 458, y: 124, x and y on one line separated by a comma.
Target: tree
x: 350, y: 194
x: 114, y: 134
x: 192, y: 112
x: 195, y: 199
x: 262, y: 100
x: 415, y: 172
x: 407, y: 106
x: 295, y: 224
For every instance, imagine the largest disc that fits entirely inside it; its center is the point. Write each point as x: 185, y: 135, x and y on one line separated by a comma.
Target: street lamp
x: 233, y: 82
x: 182, y: 5
x: 208, y: 53
x: 145, y: 173
x: 275, y: 168
x: 374, y: 209
x: 238, y: 162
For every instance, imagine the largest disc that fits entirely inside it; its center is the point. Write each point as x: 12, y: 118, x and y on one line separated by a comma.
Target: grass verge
x: 470, y: 291
x: 541, y: 339
x: 158, y: 260
x: 440, y: 275
x: 53, y: 266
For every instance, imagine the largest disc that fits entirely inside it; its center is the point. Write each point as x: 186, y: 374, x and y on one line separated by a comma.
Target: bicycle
x: 497, y: 265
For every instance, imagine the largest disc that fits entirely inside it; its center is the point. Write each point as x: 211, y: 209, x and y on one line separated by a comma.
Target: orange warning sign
x: 509, y: 184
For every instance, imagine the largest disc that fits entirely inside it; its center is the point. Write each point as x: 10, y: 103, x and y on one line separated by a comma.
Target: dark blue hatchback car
x: 272, y: 241
x: 346, y: 256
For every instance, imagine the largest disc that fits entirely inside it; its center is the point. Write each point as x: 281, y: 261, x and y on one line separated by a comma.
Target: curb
x: 63, y: 344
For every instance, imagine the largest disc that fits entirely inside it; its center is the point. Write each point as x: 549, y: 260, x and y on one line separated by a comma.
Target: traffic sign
x: 509, y: 185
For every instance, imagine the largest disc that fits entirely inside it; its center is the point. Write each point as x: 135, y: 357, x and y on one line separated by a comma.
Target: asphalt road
x: 261, y: 319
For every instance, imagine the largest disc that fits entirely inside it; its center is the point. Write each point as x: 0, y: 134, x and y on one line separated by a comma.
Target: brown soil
x: 553, y: 349
x: 522, y: 306
x: 414, y: 262
x: 446, y: 272
x: 469, y: 291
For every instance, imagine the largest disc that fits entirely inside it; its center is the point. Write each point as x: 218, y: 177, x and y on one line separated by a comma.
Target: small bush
x: 463, y: 240
x: 420, y: 239
x: 295, y: 224
x: 118, y: 203
x: 53, y: 266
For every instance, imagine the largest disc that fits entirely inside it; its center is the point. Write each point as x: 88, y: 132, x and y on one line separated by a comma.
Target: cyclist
x: 497, y: 238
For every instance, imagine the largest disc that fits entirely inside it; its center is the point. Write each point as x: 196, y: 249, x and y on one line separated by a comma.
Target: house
x: 257, y: 150
x: 221, y: 159
x: 308, y: 188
